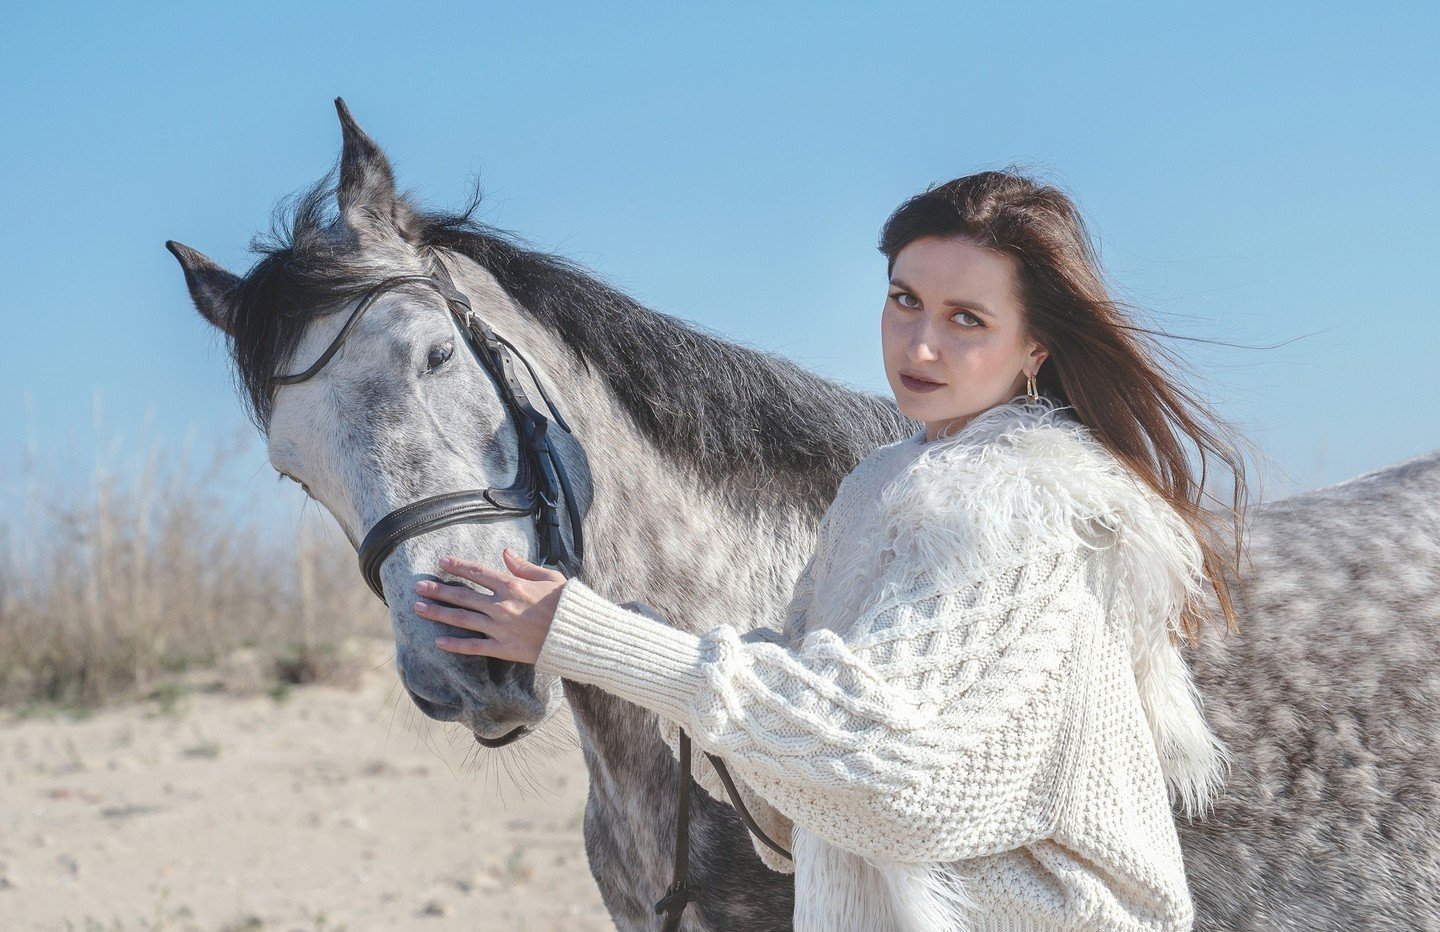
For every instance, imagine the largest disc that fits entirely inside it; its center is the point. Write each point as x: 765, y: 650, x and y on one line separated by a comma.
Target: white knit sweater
x: 976, y: 705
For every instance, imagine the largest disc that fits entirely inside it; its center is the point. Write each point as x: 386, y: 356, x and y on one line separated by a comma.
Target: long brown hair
x: 1101, y: 363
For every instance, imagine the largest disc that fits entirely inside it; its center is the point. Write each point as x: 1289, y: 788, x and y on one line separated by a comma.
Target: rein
x: 679, y: 895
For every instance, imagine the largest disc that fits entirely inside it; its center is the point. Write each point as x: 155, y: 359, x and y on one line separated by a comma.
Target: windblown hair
x: 753, y: 422
x: 1100, y: 363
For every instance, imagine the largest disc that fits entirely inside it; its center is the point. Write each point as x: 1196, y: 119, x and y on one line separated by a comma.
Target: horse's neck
x: 620, y: 740
x: 629, y: 814
x: 663, y: 554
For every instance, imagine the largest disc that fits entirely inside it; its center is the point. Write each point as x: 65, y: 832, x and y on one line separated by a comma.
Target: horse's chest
x: 629, y: 842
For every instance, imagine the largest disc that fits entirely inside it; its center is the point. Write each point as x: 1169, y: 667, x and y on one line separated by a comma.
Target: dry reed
x: 115, y: 591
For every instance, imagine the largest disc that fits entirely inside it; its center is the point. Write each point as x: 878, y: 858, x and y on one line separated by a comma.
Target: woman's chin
x: 924, y: 410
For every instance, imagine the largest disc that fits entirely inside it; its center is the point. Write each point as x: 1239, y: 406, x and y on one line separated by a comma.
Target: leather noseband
x: 540, y: 482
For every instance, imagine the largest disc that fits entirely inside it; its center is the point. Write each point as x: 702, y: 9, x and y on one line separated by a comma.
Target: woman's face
x: 953, y: 320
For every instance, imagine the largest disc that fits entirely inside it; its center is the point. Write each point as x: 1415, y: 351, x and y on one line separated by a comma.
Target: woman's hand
x: 514, y: 621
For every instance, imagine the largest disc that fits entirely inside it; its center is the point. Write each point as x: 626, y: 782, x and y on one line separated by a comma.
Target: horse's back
x: 1328, y: 697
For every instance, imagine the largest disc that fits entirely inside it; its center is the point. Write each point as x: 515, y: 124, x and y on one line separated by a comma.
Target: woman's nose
x: 922, y: 344
x: 923, y: 351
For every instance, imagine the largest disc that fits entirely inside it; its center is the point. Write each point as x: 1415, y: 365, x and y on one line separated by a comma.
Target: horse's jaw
x: 498, y: 701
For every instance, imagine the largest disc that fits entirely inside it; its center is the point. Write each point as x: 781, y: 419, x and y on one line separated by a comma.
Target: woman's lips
x: 915, y: 385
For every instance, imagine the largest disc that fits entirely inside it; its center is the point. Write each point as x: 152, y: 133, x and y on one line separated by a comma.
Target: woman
x: 977, y: 716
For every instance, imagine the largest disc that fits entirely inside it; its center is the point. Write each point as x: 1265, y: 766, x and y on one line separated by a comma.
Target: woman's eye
x: 903, y: 298
x: 439, y: 354
x: 978, y: 321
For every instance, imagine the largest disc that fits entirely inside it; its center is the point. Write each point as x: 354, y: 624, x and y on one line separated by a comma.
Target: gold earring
x: 1030, y: 392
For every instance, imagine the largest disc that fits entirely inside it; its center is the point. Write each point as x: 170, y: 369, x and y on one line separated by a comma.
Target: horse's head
x: 401, y: 412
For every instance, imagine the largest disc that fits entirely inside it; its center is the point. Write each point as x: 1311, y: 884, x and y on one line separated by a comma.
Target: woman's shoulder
x: 1021, y: 478
x: 883, y: 456
x: 861, y: 486
x: 1026, y: 486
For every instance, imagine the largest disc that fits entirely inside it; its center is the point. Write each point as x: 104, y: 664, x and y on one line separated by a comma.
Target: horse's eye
x: 439, y: 354
x: 303, y: 487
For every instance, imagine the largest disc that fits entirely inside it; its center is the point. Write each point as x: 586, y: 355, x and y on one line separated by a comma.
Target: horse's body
x: 1330, y: 699
x: 707, y: 466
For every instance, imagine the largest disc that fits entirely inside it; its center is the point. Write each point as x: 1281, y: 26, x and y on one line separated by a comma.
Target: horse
x: 702, y: 467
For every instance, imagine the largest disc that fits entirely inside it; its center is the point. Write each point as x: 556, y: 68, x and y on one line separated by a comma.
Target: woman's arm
x: 942, y: 728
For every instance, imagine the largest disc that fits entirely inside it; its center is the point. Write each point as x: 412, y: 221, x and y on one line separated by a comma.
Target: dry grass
x: 120, y: 590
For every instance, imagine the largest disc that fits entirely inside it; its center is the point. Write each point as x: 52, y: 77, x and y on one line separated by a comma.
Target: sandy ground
x: 328, y: 809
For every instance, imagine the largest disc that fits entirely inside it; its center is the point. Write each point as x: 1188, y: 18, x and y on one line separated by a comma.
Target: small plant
x: 298, y: 664
x: 208, y: 750
x: 165, y: 918
x: 515, y: 866
x: 168, y: 697
x: 321, y: 922
x: 74, y: 763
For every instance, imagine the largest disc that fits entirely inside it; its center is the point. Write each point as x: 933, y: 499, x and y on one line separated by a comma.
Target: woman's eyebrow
x: 967, y: 305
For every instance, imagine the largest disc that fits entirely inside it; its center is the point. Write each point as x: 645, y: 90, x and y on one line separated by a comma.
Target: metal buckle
x: 677, y: 897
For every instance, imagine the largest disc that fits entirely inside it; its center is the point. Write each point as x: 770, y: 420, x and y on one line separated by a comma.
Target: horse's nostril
x: 441, y: 712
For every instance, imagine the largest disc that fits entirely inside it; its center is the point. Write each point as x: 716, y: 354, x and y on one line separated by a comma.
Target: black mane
x: 745, y: 418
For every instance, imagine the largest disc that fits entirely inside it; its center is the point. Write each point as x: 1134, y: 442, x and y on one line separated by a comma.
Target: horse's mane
x: 740, y: 417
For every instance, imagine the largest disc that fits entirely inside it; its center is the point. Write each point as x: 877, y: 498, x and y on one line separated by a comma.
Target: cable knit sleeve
x: 944, y: 726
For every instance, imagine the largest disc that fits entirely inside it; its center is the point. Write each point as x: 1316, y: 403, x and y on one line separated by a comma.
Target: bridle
x: 540, y: 481
x: 539, y: 484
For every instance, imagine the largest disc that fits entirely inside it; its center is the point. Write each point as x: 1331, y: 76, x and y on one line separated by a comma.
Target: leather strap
x: 434, y: 512
x: 744, y: 813
x: 375, y: 292
x: 679, y: 895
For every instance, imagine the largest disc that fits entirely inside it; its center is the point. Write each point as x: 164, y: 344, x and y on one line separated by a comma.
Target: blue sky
x: 1259, y: 174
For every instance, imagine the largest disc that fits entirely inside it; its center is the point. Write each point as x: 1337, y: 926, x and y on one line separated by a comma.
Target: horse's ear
x: 368, y: 203
x: 211, y: 287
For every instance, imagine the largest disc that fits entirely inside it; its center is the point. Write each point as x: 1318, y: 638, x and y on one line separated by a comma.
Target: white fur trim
x: 836, y: 889
x: 1025, y: 475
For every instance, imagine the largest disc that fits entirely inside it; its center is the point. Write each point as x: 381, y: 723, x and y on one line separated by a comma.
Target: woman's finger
x: 528, y: 569
x: 472, y: 647
x: 452, y: 594
x: 476, y: 573
x: 455, y: 617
